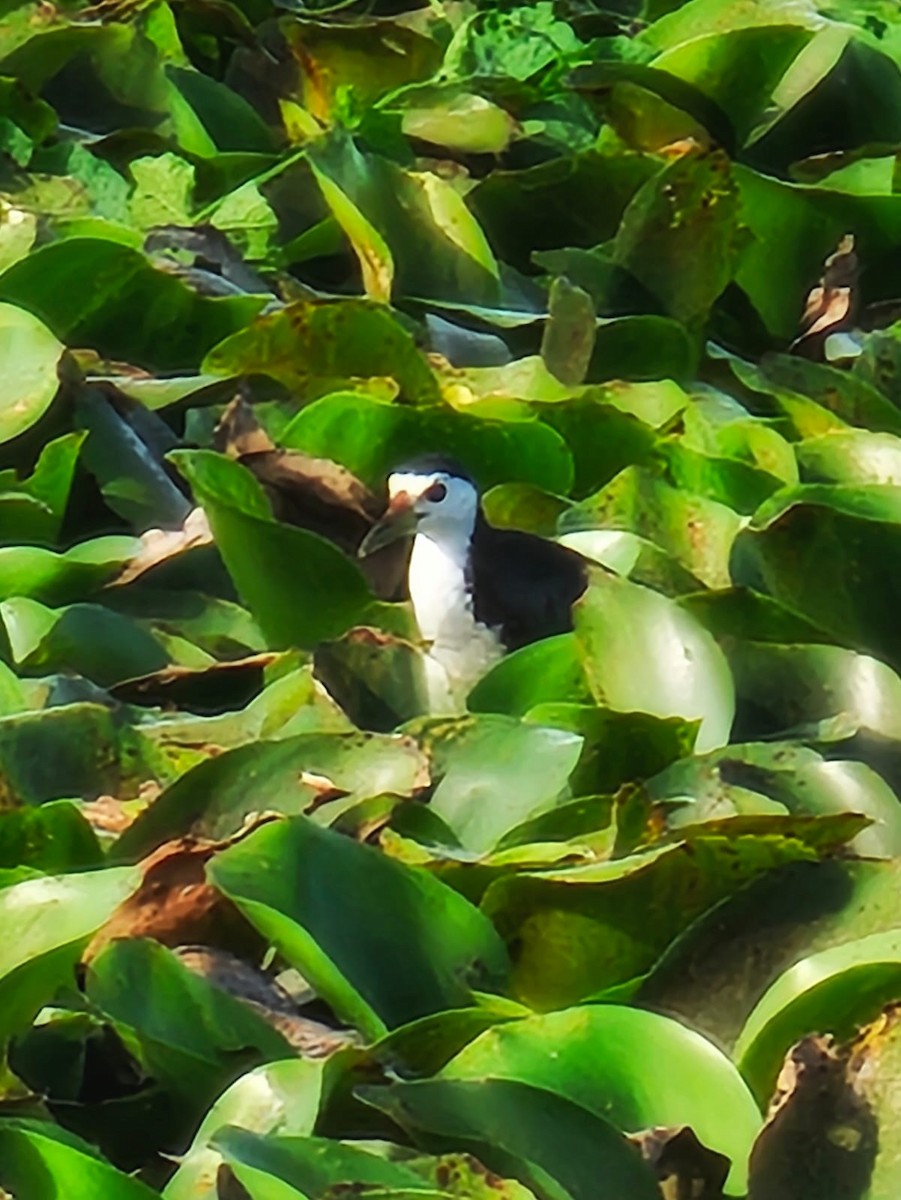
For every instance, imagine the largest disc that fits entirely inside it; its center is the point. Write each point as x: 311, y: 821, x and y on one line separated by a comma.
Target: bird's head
x: 431, y: 495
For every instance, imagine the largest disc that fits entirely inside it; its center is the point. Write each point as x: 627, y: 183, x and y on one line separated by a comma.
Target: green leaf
x: 84, y: 639
x: 190, y: 1036
x: 548, y: 1142
x: 546, y: 671
x: 317, y: 347
x: 643, y: 653
x: 52, y: 578
x: 53, y: 838
x: 370, y: 438
x: 581, y: 931
x: 285, y: 776
x: 262, y: 557
x: 39, y: 1160
x: 312, y: 1165
x: 75, y: 749
x: 680, y: 235
x: 835, y: 991
x: 50, y: 921
x: 607, y: 1061
x: 840, y: 532
x: 494, y: 771
x: 31, y: 355
x: 743, y: 945
x: 136, y: 313
x: 304, y: 887
x: 410, y: 230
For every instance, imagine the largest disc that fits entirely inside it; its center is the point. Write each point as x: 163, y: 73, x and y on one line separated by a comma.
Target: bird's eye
x: 435, y: 492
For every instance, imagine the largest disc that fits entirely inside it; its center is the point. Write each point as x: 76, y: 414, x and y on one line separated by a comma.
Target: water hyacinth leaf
x: 372, y: 57
x: 546, y: 671
x: 540, y: 1138
x: 495, y: 771
x: 370, y: 438
x: 313, y: 1165
x: 742, y: 946
x: 84, y: 639
x: 195, y: 1043
x: 696, y: 531
x: 852, y: 457
x: 54, y: 838
x: 685, y: 675
x: 39, y: 1159
x: 786, y: 689
x: 834, y: 991
x: 617, y: 747
x: 139, y: 315
x: 54, y: 578
x: 280, y: 1098
x: 40, y: 498
x: 41, y: 954
x: 738, y: 69
x: 299, y: 587
x: 452, y: 117
x: 550, y: 205
x: 569, y: 335
x: 580, y: 931
x: 680, y: 235
x: 303, y: 887
x: 605, y: 1060
x: 317, y: 347
x: 78, y: 749
x: 287, y: 776
x: 411, y: 222
x: 32, y: 356
x: 807, y: 534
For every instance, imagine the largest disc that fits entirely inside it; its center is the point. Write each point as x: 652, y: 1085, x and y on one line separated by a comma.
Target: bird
x: 476, y: 591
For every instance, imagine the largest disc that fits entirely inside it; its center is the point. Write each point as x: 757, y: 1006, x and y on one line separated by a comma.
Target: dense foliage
x: 629, y: 927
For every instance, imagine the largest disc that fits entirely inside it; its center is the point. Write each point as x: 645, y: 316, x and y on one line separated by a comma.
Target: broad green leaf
x: 370, y: 438
x: 54, y: 838
x: 834, y: 991
x: 31, y: 355
x: 410, y: 230
x: 549, y: 670
x: 452, y: 117
x: 305, y: 887
x: 575, y: 933
x: 52, y: 578
x: 821, y: 531
x: 694, y: 530
x: 277, y: 1098
x: 136, y: 314
x: 40, y: 1160
x: 80, y: 748
x: 311, y: 1165
x: 83, y: 639
x: 369, y: 58
x: 858, y: 457
x: 190, y: 1036
x: 743, y: 945
x: 680, y: 235
x: 607, y: 1060
x: 285, y: 776
x: 50, y: 922
x: 494, y: 771
x: 643, y: 653
x: 317, y: 347
x: 546, y: 1141
x: 299, y: 587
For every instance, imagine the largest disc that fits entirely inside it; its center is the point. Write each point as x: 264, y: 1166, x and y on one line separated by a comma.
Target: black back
x: 524, y: 585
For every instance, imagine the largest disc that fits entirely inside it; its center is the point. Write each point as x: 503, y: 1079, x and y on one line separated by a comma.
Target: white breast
x: 460, y: 649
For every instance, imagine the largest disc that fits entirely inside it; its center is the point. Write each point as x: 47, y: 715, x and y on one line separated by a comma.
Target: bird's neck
x: 459, y: 649
x: 439, y: 584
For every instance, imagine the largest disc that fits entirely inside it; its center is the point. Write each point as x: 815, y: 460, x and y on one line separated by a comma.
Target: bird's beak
x: 399, y: 522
